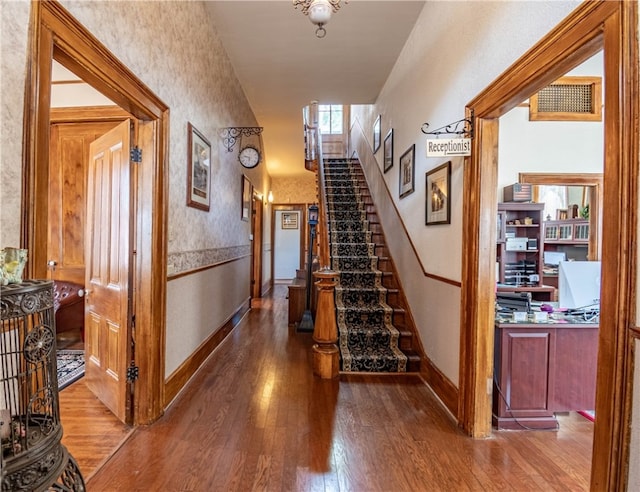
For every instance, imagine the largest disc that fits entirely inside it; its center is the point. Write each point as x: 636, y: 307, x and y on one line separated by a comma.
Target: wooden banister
x: 313, y: 162
x: 323, y: 229
x: 326, y: 357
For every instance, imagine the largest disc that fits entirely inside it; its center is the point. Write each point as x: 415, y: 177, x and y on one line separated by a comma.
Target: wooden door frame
x: 592, y: 26
x: 593, y: 180
x: 257, y: 214
x: 54, y: 33
x: 293, y: 207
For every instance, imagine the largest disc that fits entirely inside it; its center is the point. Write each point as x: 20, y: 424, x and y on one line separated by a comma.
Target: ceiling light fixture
x: 319, y: 12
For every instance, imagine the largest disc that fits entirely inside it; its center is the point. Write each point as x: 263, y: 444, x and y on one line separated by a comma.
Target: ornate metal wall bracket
x: 230, y: 134
x: 462, y: 127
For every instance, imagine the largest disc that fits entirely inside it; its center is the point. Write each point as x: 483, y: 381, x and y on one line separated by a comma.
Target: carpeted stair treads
x: 367, y: 338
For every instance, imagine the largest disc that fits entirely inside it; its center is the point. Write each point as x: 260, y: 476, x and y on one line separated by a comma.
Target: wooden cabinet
x: 541, y: 369
x: 566, y: 231
x: 569, y: 237
x: 519, y: 244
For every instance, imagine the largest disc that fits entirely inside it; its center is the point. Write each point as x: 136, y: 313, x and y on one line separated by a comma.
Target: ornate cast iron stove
x: 32, y: 458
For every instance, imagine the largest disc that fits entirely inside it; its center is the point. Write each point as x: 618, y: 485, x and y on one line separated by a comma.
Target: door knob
x: 51, y: 264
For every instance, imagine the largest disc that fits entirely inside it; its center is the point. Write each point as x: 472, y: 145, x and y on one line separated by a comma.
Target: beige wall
x: 454, y: 52
x: 438, y: 72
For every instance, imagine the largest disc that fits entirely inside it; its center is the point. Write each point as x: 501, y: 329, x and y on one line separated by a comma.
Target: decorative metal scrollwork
x: 38, y: 344
x: 461, y: 127
x: 230, y: 134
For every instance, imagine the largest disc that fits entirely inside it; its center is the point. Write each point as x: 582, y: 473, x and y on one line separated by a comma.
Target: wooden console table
x: 540, y: 369
x: 297, y: 299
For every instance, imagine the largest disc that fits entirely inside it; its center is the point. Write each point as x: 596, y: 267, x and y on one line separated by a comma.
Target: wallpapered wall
x: 14, y: 23
x: 300, y: 189
x: 188, y: 69
x: 163, y: 44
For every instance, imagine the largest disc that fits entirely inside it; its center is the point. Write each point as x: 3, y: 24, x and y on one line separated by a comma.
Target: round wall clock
x: 249, y: 156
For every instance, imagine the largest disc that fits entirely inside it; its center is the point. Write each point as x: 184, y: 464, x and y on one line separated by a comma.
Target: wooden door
x: 108, y: 252
x: 69, y: 155
x: 256, y: 249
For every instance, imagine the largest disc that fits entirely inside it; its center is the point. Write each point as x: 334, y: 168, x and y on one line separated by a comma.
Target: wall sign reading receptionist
x: 447, y: 147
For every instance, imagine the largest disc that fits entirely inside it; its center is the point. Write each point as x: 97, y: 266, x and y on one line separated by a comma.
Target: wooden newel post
x: 326, y: 360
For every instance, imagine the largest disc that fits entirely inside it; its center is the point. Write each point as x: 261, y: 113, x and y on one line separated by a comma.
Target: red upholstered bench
x: 68, y: 305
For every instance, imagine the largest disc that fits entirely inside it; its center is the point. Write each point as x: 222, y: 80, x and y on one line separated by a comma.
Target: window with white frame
x: 330, y: 119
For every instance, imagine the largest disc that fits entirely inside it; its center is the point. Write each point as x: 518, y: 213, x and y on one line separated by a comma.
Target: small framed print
x: 289, y: 220
x: 376, y: 135
x: 408, y: 171
x: 438, y: 195
x: 199, y: 170
x: 246, y: 198
x: 388, y: 151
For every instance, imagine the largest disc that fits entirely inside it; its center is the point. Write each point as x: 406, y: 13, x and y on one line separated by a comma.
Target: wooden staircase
x: 401, y: 317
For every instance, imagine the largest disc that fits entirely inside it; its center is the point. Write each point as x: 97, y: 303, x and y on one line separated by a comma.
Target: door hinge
x: 136, y: 155
x: 132, y: 372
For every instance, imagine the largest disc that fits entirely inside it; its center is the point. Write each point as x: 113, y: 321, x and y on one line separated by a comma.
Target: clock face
x: 249, y: 157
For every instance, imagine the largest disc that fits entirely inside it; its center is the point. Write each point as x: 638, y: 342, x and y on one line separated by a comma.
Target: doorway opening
x: 55, y: 31
x: 590, y: 28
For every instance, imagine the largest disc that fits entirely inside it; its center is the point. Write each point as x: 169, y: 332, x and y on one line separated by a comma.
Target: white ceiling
x: 282, y: 65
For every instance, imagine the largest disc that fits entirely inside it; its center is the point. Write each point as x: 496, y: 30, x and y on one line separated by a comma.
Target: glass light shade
x: 320, y: 12
x: 313, y: 214
x: 270, y: 196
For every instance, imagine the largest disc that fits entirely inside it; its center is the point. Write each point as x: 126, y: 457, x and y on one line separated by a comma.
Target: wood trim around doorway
x: 55, y: 32
x: 594, y: 181
x: 592, y: 26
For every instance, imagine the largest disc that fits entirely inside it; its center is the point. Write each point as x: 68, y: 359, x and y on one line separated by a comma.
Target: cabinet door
x: 525, y: 373
x: 551, y: 232
x: 565, y: 232
x: 581, y: 232
x: 575, y: 360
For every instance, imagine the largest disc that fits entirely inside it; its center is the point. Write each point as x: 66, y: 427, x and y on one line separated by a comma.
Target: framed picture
x: 408, y: 171
x: 289, y: 220
x: 199, y: 170
x: 388, y: 151
x: 246, y: 198
x: 438, y: 195
x: 376, y: 135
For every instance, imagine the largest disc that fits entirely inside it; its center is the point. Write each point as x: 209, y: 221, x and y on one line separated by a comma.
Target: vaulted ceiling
x: 282, y: 65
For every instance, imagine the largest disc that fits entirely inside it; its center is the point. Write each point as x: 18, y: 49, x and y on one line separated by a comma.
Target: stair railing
x: 326, y: 358
x: 313, y: 162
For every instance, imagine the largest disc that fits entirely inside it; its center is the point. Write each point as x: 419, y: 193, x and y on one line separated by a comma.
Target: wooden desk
x: 541, y: 369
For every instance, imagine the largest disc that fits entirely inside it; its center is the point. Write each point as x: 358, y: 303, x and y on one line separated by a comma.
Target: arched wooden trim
x: 590, y: 28
x: 54, y: 33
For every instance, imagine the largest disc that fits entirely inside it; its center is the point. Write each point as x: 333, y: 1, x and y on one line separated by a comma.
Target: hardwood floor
x: 255, y: 418
x: 91, y: 433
